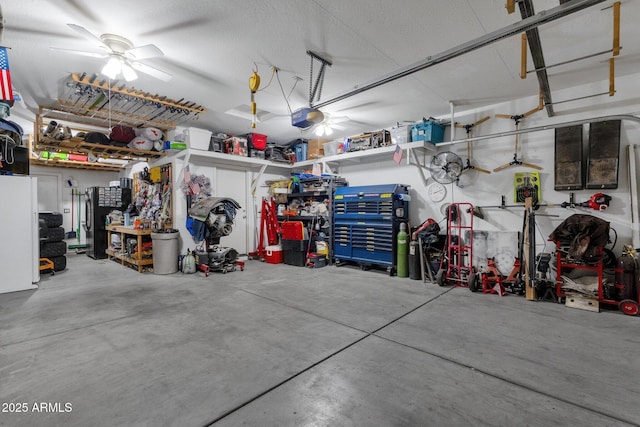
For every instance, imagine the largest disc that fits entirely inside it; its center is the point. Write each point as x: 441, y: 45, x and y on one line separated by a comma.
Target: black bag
x: 96, y: 138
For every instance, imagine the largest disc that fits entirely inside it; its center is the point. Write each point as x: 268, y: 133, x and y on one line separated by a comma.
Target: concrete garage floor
x: 277, y: 345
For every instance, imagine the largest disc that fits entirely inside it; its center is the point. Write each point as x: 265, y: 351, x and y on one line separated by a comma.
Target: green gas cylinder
x: 401, y: 251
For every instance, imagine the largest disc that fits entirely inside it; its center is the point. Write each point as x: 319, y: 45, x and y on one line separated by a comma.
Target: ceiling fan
x: 468, y: 127
x: 517, y: 118
x: 123, y: 56
x: 327, y: 126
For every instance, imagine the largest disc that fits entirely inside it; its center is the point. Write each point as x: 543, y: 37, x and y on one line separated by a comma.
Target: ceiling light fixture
x: 116, y: 65
x: 323, y: 130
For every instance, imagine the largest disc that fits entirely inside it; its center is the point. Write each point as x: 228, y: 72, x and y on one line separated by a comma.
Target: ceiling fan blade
x: 530, y: 165
x: 338, y: 119
x: 89, y: 36
x: 154, y: 72
x: 499, y: 168
x: 143, y: 52
x: 530, y: 112
x: 81, y: 53
x: 487, y: 171
x: 503, y: 116
x: 482, y: 120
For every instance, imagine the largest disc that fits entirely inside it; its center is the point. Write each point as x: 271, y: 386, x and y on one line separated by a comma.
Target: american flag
x: 6, y: 91
x: 193, y: 186
x: 397, y: 155
x: 187, y: 174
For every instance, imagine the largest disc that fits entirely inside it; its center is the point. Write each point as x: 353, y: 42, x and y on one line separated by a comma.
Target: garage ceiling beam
x: 535, y: 46
x: 508, y: 31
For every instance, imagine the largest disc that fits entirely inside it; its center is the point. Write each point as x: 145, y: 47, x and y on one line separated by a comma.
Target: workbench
x: 136, y: 260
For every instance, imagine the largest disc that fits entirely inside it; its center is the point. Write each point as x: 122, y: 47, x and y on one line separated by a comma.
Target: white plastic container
x: 332, y: 148
x: 198, y: 139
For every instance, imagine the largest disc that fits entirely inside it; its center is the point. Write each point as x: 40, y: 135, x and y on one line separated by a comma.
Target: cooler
x: 274, y: 254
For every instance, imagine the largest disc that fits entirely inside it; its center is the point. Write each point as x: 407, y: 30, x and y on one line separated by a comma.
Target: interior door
x: 49, y: 193
x: 233, y: 183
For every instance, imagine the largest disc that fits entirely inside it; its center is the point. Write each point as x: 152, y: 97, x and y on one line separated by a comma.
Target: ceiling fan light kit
x: 123, y: 57
x: 323, y: 130
x: 115, y: 66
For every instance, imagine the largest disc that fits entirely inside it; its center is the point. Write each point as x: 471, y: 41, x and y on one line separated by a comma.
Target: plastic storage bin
x: 301, y: 151
x: 400, y: 134
x: 428, y: 131
x: 197, y: 138
x: 332, y: 148
x: 165, y: 251
x: 295, y: 252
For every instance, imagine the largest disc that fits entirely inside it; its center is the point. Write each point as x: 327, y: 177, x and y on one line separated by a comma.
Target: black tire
x: 55, y: 234
x: 440, y: 279
x: 59, y: 262
x: 473, y: 283
x: 52, y: 219
x: 43, y: 229
x: 53, y: 249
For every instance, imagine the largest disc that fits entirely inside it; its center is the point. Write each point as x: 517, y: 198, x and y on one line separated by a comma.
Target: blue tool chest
x: 366, y: 223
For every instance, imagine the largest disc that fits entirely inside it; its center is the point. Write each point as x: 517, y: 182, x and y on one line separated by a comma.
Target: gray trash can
x: 165, y: 251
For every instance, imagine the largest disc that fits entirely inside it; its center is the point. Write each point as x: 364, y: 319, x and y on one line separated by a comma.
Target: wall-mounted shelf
x: 238, y: 161
x: 70, y: 164
x: 370, y: 154
x: 213, y: 158
x: 89, y: 104
x: 77, y: 145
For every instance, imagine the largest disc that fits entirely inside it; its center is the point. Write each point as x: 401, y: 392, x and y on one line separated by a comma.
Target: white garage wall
x: 537, y: 148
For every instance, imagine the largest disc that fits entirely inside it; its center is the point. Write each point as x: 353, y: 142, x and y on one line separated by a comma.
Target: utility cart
x: 456, y: 267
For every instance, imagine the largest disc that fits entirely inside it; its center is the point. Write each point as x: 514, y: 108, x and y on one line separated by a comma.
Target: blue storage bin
x: 301, y: 151
x: 428, y: 131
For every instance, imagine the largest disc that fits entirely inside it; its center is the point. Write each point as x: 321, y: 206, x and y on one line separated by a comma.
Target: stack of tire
x: 52, y: 244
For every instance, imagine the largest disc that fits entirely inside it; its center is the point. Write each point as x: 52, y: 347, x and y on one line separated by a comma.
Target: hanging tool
x: 254, y: 85
x: 517, y: 118
x: 598, y: 202
x: 467, y: 129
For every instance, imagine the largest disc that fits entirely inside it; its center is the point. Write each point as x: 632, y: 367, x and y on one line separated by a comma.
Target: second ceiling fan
x: 517, y: 118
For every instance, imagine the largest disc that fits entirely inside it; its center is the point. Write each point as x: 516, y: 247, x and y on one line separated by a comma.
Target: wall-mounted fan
x: 446, y: 167
x: 123, y: 56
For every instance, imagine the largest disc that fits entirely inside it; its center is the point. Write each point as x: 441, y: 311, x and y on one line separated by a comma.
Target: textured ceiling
x: 212, y: 47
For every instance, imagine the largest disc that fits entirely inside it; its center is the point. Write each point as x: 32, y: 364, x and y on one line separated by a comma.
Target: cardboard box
x: 315, y: 149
